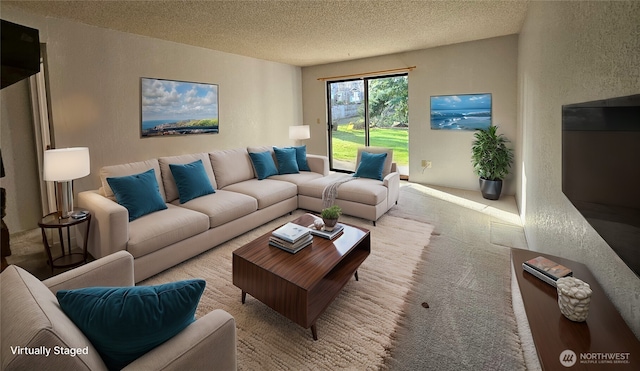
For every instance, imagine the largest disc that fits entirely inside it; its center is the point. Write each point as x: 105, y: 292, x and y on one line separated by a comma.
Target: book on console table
x: 291, y: 247
x: 291, y: 232
x: 546, y: 270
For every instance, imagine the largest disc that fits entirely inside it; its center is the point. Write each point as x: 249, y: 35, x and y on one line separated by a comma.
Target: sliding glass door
x: 368, y: 112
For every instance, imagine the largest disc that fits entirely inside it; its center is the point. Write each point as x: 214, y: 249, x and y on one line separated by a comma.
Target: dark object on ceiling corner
x: 20, y: 52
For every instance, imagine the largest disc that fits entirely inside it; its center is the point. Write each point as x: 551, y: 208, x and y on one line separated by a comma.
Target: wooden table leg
x: 314, y: 332
x: 244, y: 296
x: 356, y: 274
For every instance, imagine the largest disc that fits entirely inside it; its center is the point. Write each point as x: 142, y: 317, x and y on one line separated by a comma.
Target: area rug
x: 354, y: 333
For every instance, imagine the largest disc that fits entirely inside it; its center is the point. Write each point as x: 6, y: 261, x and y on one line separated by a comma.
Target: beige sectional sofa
x: 241, y: 202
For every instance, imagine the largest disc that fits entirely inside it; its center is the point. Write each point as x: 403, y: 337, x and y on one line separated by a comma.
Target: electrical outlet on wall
x: 426, y: 164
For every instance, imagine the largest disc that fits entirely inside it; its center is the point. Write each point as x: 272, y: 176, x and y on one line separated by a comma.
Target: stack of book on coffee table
x: 291, y: 237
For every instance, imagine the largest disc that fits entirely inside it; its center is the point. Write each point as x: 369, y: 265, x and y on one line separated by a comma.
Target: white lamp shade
x: 299, y: 132
x: 66, y: 164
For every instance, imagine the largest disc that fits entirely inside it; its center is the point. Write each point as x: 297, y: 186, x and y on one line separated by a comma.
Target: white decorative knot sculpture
x: 574, y: 297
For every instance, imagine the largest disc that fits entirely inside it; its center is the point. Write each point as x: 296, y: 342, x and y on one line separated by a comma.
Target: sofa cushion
x: 191, y: 180
x: 123, y: 323
x: 388, y: 161
x: 163, y: 228
x: 287, y: 161
x: 267, y: 191
x: 299, y: 178
x: 263, y: 164
x: 231, y: 166
x: 32, y: 318
x: 361, y: 190
x: 129, y: 169
x: 223, y: 206
x: 168, y: 180
x: 371, y: 165
x: 138, y: 193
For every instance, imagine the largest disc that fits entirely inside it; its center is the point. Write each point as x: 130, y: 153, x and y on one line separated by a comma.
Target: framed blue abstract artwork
x: 173, y: 108
x: 461, y: 112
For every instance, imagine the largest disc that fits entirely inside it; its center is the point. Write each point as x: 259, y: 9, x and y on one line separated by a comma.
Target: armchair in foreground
x: 33, y: 322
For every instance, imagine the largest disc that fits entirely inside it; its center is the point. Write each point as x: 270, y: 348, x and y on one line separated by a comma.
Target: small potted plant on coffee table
x: 330, y: 216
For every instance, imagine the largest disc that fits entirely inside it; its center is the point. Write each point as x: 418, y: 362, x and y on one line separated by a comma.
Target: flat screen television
x: 601, y: 170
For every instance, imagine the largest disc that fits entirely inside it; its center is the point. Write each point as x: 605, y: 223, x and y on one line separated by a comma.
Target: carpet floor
x: 464, y: 277
x: 355, y: 332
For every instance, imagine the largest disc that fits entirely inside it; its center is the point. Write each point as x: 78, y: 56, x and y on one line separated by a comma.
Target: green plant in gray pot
x: 491, y: 159
x: 330, y: 216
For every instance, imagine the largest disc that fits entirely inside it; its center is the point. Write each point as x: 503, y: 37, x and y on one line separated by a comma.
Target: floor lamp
x: 62, y: 166
x: 299, y: 132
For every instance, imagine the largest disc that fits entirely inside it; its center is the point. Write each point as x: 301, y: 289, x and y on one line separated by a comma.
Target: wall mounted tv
x: 601, y: 170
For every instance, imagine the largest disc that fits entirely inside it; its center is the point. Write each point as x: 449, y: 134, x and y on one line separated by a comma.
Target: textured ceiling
x: 298, y: 32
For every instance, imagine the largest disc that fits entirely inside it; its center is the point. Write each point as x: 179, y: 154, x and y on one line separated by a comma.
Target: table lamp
x: 299, y: 132
x: 62, y: 166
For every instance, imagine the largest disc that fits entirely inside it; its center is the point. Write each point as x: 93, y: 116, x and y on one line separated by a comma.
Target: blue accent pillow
x: 139, y: 193
x: 123, y: 323
x: 371, y: 165
x: 192, y: 180
x: 287, y: 162
x: 301, y: 158
x: 263, y: 163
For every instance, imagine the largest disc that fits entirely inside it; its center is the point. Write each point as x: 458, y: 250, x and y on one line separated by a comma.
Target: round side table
x: 67, y: 259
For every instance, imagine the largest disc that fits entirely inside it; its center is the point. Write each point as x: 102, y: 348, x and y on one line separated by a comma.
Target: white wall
x: 95, y: 93
x: 573, y: 52
x: 485, y: 66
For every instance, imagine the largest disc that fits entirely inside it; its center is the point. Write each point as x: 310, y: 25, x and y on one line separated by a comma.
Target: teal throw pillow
x: 287, y: 162
x: 371, y: 165
x: 192, y: 180
x: 301, y: 158
x: 263, y: 163
x: 123, y: 323
x: 139, y: 193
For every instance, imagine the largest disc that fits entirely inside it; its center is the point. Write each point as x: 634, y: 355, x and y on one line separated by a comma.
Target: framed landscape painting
x: 173, y: 108
x: 461, y: 112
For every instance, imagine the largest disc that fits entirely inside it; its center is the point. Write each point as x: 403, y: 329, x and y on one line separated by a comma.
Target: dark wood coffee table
x: 300, y: 286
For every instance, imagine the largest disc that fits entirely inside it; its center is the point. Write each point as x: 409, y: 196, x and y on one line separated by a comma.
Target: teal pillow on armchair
x: 123, y: 323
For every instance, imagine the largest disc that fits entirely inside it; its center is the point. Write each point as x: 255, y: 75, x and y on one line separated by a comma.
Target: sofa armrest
x: 207, y: 344
x: 318, y: 164
x: 392, y: 182
x: 115, y: 270
x: 109, y: 224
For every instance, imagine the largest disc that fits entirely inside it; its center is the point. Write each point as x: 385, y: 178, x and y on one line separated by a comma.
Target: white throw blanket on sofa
x: 330, y: 192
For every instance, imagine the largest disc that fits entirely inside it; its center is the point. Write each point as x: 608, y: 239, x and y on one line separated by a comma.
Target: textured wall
x: 94, y: 81
x: 573, y: 52
x: 485, y: 66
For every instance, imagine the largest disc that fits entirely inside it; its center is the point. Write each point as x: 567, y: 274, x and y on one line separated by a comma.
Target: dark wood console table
x: 603, y: 334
